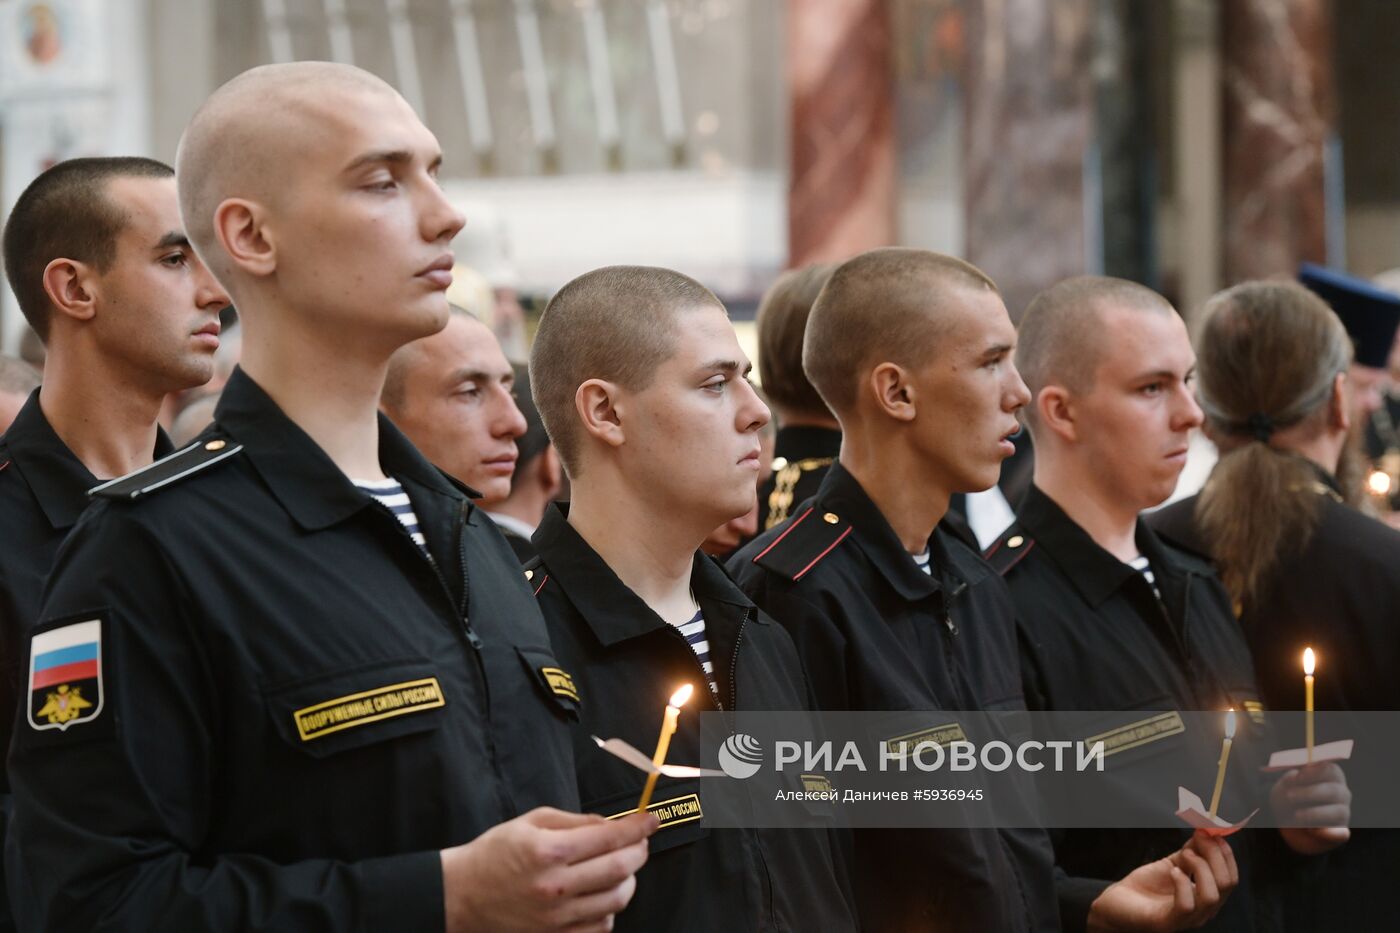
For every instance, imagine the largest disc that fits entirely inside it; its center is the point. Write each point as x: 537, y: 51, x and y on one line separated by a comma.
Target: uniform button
x: 216, y: 445
x: 830, y: 518
x: 1015, y: 541
x: 529, y: 575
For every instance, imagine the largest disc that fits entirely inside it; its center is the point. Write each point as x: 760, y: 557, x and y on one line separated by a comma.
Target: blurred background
x: 1186, y: 144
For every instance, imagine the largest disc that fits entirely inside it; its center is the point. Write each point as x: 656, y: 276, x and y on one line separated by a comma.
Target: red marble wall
x: 1279, y: 109
x: 1028, y: 118
x: 842, y: 195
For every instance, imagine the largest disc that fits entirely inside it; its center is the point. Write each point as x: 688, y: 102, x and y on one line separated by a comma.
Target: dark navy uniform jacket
x: 877, y: 633
x: 294, y: 709
x: 1095, y: 637
x: 43, y: 490
x: 801, y: 457
x: 1339, y: 594
x: 625, y: 660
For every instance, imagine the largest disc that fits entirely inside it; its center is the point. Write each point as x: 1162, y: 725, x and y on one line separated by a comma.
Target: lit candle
x: 1224, y: 757
x: 1309, y: 662
x: 668, y: 729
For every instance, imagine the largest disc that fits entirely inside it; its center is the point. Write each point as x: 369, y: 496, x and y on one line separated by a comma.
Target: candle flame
x: 679, y: 698
x: 1309, y: 661
x: 1230, y: 724
x: 1378, y: 482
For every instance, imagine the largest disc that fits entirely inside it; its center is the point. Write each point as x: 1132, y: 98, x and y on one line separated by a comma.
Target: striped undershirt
x: 389, y: 493
x: 694, y: 632
x: 922, y: 562
x: 1143, y: 566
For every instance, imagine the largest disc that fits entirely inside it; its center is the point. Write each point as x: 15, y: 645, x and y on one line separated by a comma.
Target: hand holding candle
x: 1309, y: 662
x: 1224, y: 757
x: 663, y: 742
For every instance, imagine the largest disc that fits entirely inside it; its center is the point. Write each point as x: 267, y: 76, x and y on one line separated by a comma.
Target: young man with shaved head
x: 643, y: 387
x: 291, y: 678
x: 98, y: 260
x: 912, y: 352
x: 1114, y: 618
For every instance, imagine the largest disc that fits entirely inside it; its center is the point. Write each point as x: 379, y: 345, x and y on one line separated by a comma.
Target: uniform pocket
x: 357, y: 706
x: 675, y: 804
x: 556, y: 684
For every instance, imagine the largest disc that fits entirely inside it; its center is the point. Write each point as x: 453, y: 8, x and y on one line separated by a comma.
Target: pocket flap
x: 357, y: 706
x: 558, y: 684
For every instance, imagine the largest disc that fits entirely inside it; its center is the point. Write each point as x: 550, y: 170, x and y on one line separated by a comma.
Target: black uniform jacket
x: 877, y: 633
x: 1094, y: 637
x: 801, y: 457
x: 43, y: 490
x: 1339, y: 594
x: 625, y: 661
x: 294, y: 708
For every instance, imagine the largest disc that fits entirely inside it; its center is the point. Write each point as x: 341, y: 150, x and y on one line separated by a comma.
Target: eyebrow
x: 470, y: 374
x: 997, y: 349
x: 391, y: 156
x: 173, y: 238
x: 727, y: 366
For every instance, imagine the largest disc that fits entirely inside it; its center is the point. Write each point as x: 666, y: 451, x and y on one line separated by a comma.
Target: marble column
x: 841, y: 199
x: 1028, y: 123
x: 1278, y: 111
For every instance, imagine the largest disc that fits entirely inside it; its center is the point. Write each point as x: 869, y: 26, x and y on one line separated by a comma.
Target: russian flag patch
x: 65, y: 675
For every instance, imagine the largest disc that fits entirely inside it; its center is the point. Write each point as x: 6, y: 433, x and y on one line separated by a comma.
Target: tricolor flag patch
x: 65, y: 675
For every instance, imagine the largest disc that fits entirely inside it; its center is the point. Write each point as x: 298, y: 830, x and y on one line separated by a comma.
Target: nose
x: 441, y: 221
x: 209, y: 294
x: 510, y: 423
x: 1188, y: 412
x: 753, y: 414
x: 1020, y: 395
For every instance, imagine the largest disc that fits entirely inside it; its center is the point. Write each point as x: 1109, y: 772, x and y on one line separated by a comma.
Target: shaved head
x: 247, y: 139
x: 1061, y: 337
x: 887, y: 305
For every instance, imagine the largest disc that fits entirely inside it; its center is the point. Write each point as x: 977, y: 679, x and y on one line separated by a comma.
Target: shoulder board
x: 1009, y: 550
x: 535, y: 574
x: 812, y: 535
x: 198, y: 456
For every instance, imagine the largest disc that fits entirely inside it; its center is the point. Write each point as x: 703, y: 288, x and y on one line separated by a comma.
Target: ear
x: 551, y: 472
x: 1339, y: 405
x: 242, y: 231
x: 893, y: 395
x: 1054, y: 409
x: 596, y: 404
x: 71, y: 287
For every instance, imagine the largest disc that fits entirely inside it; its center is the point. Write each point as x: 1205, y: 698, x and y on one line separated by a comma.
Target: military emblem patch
x: 65, y: 675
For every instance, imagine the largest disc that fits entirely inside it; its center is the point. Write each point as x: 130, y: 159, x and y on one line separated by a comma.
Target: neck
x: 900, y: 485
x: 1110, y: 521
x: 787, y: 418
x: 330, y: 391
x: 650, y: 549
x: 109, y: 423
x: 526, y: 504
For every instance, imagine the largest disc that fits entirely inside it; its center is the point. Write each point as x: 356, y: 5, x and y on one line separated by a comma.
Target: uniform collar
x: 804, y: 441
x: 1093, y: 571
x: 56, y: 477
x: 302, y: 477
x: 842, y: 494
x: 607, y: 605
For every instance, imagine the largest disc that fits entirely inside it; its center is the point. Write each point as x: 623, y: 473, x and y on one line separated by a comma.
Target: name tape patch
x: 671, y: 812
x: 359, y: 709
x: 1138, y: 733
x: 902, y: 745
x: 560, y: 682
x: 1255, y: 710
